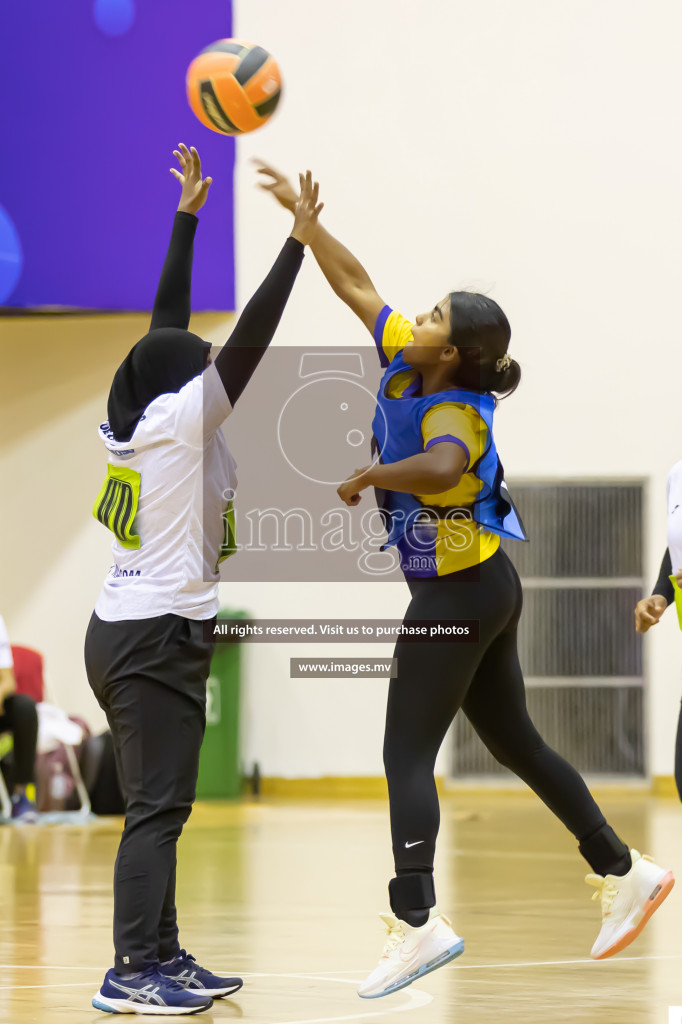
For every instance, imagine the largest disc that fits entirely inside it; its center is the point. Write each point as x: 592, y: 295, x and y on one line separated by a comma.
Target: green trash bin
x: 219, y: 767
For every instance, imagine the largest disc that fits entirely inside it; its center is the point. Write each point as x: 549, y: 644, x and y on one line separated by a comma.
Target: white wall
x: 527, y: 148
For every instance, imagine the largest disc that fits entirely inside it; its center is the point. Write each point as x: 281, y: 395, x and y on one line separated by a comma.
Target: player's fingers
x: 197, y: 160
x: 179, y: 157
x: 187, y: 155
x: 315, y: 193
x: 264, y: 168
x: 641, y: 619
x: 176, y: 174
x: 318, y: 210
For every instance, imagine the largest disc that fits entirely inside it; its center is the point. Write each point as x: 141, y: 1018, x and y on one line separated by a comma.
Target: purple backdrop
x: 94, y: 103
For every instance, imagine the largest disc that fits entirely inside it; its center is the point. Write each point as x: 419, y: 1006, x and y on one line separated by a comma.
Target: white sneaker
x: 410, y: 953
x: 627, y: 903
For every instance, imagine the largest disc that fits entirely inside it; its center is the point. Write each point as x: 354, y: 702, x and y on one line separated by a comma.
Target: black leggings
x: 434, y: 681
x: 20, y: 717
x: 149, y: 677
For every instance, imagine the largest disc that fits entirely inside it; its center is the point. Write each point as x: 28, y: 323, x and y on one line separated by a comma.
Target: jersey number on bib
x: 229, y: 544
x: 116, y: 504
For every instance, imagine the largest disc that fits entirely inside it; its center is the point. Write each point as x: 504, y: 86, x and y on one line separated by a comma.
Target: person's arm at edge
x: 649, y: 610
x: 663, y: 586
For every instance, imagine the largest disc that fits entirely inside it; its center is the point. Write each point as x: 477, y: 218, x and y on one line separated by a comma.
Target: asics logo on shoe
x: 187, y: 980
x: 408, y: 845
x: 140, y: 995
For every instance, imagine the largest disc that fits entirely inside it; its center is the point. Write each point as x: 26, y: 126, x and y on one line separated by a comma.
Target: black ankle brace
x: 412, y: 891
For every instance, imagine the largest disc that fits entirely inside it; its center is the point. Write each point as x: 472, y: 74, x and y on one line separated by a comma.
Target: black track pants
x: 434, y: 681
x: 20, y: 717
x: 149, y: 677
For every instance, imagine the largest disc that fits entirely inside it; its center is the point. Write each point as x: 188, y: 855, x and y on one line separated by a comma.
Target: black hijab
x: 161, y: 363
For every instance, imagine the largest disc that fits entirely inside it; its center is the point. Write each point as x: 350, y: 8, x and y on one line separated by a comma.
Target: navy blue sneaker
x: 149, y: 992
x: 23, y: 810
x: 186, y: 972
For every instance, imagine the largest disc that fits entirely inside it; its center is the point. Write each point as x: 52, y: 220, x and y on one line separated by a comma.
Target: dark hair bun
x: 506, y: 381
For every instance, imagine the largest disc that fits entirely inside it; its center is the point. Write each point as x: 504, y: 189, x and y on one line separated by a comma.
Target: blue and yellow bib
x: 434, y: 539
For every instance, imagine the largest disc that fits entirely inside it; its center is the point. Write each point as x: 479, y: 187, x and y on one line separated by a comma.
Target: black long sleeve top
x: 255, y: 328
x: 663, y: 586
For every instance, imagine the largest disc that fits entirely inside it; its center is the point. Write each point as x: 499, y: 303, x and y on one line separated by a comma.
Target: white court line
x: 563, y: 963
x: 61, y: 984
x: 415, y: 998
x: 325, y: 975
x: 529, y: 963
x: 44, y: 967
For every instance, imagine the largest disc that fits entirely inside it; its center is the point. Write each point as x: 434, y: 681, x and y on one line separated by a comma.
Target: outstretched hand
x: 280, y: 186
x: 194, y: 188
x: 307, y: 210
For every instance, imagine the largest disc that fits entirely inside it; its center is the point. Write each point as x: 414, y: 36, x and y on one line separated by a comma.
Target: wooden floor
x: 287, y: 894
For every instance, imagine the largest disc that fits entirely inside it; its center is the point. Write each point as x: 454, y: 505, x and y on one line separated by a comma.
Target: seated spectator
x: 18, y: 715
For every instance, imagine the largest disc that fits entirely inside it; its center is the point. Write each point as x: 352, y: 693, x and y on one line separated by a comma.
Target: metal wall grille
x: 579, y: 631
x: 582, y: 660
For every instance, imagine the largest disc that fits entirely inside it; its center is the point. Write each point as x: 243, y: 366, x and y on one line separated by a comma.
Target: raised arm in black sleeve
x: 663, y: 586
x: 172, y: 305
x: 244, y: 349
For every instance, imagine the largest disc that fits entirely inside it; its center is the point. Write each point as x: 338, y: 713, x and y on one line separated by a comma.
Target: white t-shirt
x: 674, y: 495
x: 165, y: 498
x: 6, y: 660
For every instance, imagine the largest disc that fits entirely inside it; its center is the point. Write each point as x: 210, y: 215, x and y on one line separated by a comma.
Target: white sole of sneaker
x: 662, y: 890
x: 101, y: 1002
x: 432, y: 965
x: 218, y: 993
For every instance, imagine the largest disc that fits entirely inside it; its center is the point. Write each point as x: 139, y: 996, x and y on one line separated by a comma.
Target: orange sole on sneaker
x: 662, y: 890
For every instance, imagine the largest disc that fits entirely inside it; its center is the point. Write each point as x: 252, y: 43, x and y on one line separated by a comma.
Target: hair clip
x: 503, y: 362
